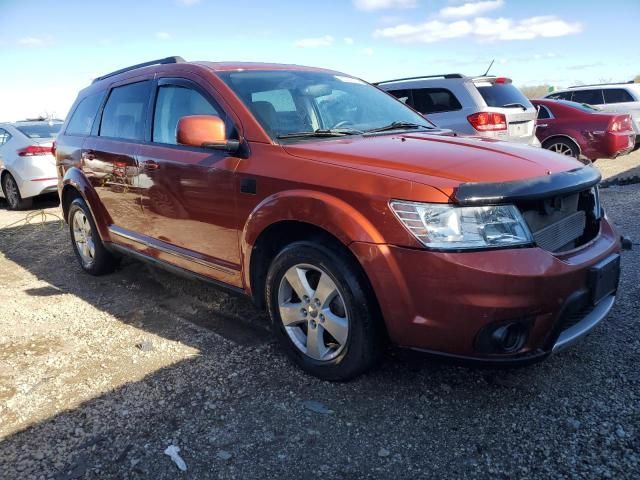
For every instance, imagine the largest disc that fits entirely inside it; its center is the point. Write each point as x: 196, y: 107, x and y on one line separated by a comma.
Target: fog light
x: 504, y: 337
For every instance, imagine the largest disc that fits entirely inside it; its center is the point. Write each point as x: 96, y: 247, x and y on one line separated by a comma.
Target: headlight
x: 449, y: 227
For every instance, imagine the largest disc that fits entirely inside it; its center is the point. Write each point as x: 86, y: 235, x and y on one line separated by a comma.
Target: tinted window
x: 501, y: 94
x: 543, y: 112
x: 173, y: 103
x: 590, y: 97
x: 434, y: 100
x: 4, y: 136
x: 561, y: 96
x: 40, y: 130
x: 123, y: 115
x: 617, y: 95
x: 82, y: 119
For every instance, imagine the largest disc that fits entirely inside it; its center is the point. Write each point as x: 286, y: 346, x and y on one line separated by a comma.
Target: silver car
x: 487, y: 106
x: 610, y: 97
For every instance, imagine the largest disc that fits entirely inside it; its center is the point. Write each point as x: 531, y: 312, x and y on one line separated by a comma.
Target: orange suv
x: 344, y: 212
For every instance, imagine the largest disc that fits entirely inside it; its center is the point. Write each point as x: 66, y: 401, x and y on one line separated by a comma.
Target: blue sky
x: 50, y: 50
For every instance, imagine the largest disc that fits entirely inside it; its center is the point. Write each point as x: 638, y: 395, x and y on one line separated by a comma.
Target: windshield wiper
x: 398, y: 126
x: 512, y: 105
x: 322, y: 132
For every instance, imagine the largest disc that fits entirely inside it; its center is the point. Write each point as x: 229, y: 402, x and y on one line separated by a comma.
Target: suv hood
x: 440, y: 161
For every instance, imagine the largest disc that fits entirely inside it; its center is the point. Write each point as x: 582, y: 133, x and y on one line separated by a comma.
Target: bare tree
x: 637, y: 79
x: 535, y: 91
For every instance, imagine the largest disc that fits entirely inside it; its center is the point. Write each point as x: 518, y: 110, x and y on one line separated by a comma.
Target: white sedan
x: 27, y: 164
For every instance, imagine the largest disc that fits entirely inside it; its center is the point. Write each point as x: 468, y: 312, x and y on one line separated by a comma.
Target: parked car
x: 27, y: 168
x: 486, y: 106
x: 610, y: 97
x: 342, y: 211
x: 580, y: 130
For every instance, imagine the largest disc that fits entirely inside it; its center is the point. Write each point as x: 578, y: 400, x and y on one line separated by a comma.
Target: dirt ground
x: 98, y: 376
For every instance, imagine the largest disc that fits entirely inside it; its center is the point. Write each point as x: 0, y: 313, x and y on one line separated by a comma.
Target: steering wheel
x: 343, y: 123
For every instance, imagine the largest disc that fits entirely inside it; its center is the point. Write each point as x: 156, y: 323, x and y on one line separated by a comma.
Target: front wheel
x: 323, y: 311
x: 91, y: 253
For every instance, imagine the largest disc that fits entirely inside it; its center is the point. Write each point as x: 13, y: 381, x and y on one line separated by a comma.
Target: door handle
x: 150, y: 165
x: 542, y: 125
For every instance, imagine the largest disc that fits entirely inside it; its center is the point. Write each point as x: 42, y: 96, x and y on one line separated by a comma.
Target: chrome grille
x: 558, y: 234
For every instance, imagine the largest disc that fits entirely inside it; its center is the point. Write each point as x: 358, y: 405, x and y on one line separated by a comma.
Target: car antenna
x: 490, y: 65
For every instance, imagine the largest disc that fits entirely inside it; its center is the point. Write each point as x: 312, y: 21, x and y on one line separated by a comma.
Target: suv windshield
x: 503, y: 94
x: 287, y: 103
x: 40, y: 130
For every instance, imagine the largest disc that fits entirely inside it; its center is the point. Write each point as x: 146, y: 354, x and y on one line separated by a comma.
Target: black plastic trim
x: 561, y: 183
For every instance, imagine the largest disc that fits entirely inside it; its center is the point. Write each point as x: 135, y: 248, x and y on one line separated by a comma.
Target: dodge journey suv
x: 342, y: 211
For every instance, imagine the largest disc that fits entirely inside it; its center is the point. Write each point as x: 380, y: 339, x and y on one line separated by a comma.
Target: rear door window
x: 617, y: 95
x: 85, y: 113
x: 590, y: 97
x: 435, y: 100
x: 503, y: 94
x: 172, y: 103
x: 124, y: 112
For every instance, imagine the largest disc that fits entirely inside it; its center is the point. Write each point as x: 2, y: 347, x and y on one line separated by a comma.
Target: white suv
x: 487, y: 106
x: 27, y: 165
x: 610, y: 97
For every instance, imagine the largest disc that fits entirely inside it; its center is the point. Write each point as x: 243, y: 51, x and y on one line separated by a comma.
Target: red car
x: 580, y: 130
x: 344, y: 213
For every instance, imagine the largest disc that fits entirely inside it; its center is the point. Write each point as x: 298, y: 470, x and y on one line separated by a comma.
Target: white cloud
x: 471, y: 9
x: 163, y: 36
x: 32, y: 41
x: 188, y: 3
x: 369, y: 5
x: 348, y: 41
x: 368, y: 52
x: 481, y: 28
x: 315, y: 42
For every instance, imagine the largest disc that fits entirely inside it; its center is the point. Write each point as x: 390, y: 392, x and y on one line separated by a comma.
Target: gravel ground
x: 98, y: 376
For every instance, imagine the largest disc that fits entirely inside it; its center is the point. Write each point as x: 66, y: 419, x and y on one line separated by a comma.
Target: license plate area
x: 604, y: 278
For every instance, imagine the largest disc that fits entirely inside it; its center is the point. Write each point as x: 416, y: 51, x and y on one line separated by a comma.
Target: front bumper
x: 440, y: 302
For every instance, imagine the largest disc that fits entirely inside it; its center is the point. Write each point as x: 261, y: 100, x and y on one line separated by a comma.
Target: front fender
x: 75, y: 179
x: 322, y: 210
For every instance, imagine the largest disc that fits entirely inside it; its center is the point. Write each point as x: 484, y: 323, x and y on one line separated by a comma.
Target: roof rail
x: 161, y: 61
x: 445, y: 75
x: 598, y: 84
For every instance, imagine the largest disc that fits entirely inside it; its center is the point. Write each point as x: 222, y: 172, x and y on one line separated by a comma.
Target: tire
x: 91, y: 253
x: 12, y: 194
x: 341, y: 354
x: 562, y: 146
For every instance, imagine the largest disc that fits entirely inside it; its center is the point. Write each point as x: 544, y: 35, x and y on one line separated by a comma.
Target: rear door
x: 109, y: 157
x: 500, y: 95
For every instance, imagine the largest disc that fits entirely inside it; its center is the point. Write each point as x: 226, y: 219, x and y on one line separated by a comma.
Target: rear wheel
x: 93, y: 257
x: 562, y: 146
x: 322, y: 312
x: 12, y: 194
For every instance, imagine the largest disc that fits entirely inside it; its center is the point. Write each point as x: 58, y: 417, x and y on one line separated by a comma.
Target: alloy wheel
x: 11, y: 191
x: 313, y: 312
x: 83, y: 238
x: 562, y: 149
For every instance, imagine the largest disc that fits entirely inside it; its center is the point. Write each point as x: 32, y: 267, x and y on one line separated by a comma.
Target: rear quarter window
x: 84, y: 115
x: 617, y: 95
x: 499, y: 95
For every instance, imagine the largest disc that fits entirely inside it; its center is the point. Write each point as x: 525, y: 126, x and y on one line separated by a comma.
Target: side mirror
x: 206, y: 131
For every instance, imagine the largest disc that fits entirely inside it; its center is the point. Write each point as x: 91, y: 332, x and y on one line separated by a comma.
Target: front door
x: 188, y: 193
x: 110, y: 157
